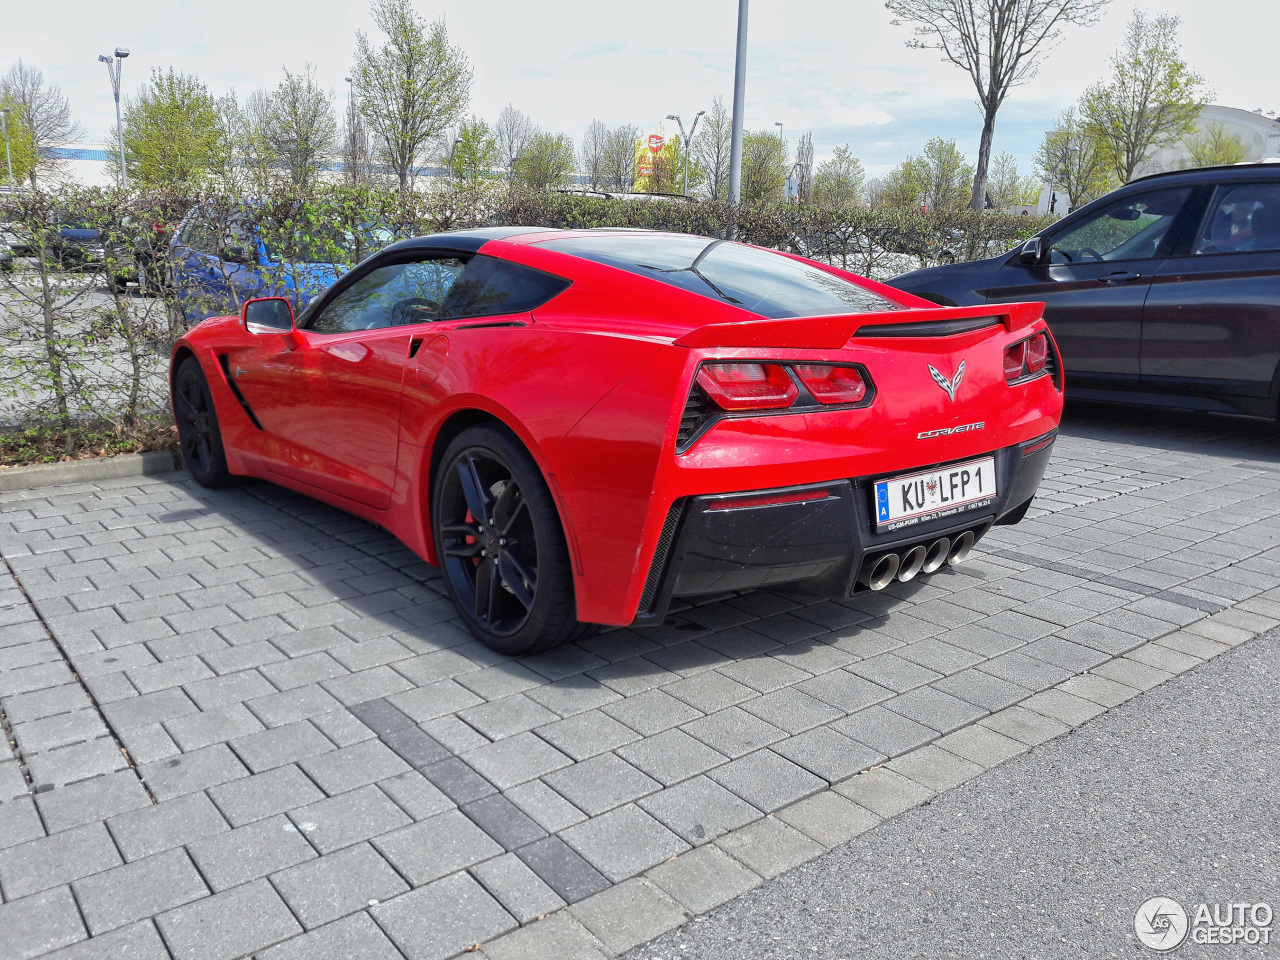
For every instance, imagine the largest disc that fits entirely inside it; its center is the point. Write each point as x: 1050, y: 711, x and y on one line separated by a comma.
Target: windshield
x: 760, y: 281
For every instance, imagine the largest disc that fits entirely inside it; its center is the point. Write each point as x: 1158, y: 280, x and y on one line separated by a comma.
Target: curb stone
x: 87, y: 471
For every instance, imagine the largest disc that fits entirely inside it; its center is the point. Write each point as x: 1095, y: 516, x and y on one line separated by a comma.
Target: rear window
x: 490, y: 287
x: 766, y: 283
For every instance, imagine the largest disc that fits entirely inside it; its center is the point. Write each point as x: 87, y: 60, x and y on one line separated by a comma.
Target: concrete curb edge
x: 88, y: 471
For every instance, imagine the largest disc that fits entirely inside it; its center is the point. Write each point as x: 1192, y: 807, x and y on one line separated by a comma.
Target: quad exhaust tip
x: 937, y: 555
x: 919, y: 559
x: 959, y: 551
x: 912, y: 563
x: 883, y: 571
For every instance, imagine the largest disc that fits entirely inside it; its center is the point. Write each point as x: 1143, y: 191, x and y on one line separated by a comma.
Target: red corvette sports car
x: 578, y: 426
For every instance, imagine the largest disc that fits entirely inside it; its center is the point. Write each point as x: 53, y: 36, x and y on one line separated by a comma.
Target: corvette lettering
x: 948, y: 431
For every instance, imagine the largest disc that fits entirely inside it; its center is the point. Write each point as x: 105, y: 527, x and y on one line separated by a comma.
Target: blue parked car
x: 220, y: 259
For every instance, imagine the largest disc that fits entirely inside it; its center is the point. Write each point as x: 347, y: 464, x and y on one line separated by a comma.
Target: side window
x: 1130, y: 229
x: 1242, y: 219
x: 490, y: 287
x: 391, y: 296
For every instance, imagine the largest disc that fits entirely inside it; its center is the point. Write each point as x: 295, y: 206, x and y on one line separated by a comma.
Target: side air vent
x: 1053, y: 365
x: 696, y: 412
x: 660, y: 557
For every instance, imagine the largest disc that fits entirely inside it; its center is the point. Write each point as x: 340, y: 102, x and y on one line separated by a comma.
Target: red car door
x: 328, y: 396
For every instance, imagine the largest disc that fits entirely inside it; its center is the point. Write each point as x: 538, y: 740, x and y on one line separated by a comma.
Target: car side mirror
x: 268, y: 315
x: 1032, y: 252
x: 236, y: 255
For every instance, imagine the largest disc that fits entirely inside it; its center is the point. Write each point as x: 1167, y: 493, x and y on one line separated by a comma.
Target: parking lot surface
x: 242, y: 722
x: 1170, y: 794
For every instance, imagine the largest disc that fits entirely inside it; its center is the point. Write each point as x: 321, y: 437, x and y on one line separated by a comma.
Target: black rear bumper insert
x: 820, y: 543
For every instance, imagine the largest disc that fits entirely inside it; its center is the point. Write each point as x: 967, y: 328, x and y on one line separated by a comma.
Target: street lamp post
x: 113, y: 70
x: 4, y: 116
x: 739, y: 108
x: 685, y: 141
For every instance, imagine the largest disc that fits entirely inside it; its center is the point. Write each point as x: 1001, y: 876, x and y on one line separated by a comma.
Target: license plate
x: 904, y: 501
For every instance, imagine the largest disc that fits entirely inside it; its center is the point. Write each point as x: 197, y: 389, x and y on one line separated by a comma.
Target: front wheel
x: 500, y: 545
x: 198, y: 431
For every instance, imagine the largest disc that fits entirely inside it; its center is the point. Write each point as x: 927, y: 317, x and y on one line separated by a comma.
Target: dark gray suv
x: 1166, y: 291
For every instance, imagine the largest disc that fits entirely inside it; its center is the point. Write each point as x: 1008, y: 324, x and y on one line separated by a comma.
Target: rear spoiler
x: 832, y: 333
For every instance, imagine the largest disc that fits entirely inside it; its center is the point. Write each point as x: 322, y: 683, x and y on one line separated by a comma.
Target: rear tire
x: 198, y: 431
x: 500, y: 545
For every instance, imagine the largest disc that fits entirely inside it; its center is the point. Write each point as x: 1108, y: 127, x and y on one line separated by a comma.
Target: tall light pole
x: 780, y: 137
x: 113, y: 69
x: 350, y: 152
x: 739, y: 107
x: 4, y: 116
x: 685, y: 141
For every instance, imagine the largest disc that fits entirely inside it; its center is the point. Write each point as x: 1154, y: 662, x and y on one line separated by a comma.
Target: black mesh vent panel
x: 660, y: 557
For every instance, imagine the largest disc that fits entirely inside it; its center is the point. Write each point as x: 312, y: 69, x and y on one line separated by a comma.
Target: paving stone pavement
x: 242, y: 723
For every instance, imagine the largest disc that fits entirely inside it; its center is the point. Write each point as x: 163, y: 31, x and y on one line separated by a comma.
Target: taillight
x: 1037, y: 351
x: 832, y: 384
x: 1014, y: 358
x: 747, y: 386
x: 1026, y: 358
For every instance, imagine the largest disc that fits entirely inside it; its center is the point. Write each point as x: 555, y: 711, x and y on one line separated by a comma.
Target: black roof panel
x: 464, y: 241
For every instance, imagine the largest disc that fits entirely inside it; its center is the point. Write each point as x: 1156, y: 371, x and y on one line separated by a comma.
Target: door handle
x: 414, y: 344
x: 1120, y: 277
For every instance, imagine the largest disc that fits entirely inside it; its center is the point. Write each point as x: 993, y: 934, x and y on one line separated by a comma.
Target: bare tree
x: 513, y: 131
x: 804, y: 168
x: 46, y: 112
x: 413, y: 87
x: 357, y: 147
x: 997, y: 42
x: 710, y: 148
x: 1153, y: 98
x: 299, y: 124
x: 591, y: 152
x: 619, y: 160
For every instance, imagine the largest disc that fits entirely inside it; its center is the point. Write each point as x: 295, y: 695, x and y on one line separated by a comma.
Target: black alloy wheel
x: 500, y: 545
x: 198, y: 432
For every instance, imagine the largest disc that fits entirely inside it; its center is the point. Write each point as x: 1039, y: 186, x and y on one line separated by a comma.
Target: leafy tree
x: 997, y: 43
x: 172, y: 131
x: 619, y: 159
x: 944, y: 174
x: 839, y: 181
x: 710, y: 148
x: 413, y: 87
x: 1152, y: 99
x: 22, y: 142
x: 591, y: 152
x: 513, y: 131
x: 546, y: 162
x: 1006, y: 188
x: 1216, y: 146
x: 475, y: 152
x: 938, y: 180
x: 1074, y: 160
x: 298, y: 124
x: 902, y: 188
x: 46, y: 115
x: 764, y: 166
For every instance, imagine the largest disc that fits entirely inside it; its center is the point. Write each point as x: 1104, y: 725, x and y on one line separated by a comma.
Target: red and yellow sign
x: 658, y: 144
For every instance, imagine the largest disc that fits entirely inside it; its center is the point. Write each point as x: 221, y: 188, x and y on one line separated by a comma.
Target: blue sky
x: 836, y: 67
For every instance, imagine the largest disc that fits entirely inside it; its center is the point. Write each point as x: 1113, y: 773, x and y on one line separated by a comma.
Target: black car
x: 1164, y: 292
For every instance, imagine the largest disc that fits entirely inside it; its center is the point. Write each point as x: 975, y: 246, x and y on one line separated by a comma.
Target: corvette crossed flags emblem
x: 950, y: 386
